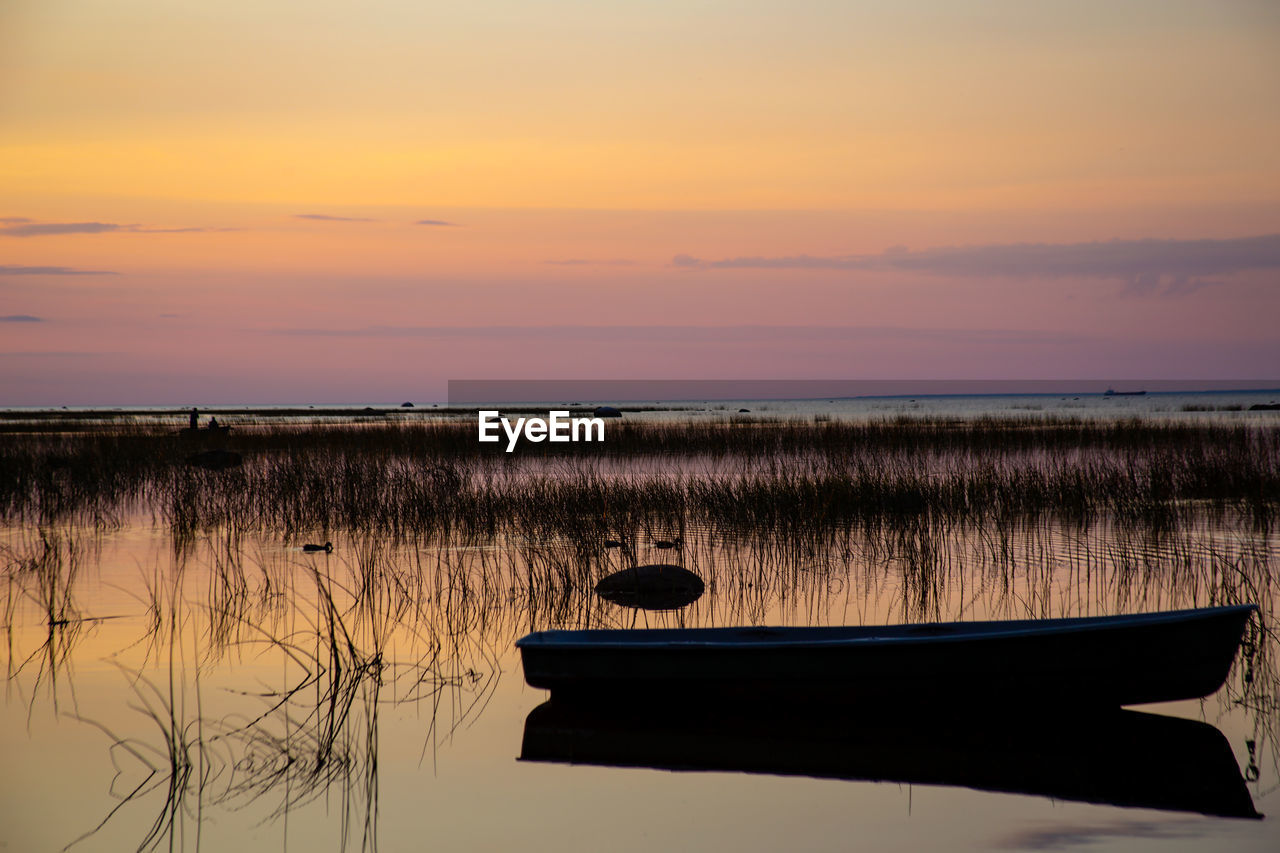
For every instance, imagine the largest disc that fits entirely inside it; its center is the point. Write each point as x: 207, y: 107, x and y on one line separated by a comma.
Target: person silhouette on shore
x: 195, y: 419
x: 213, y: 423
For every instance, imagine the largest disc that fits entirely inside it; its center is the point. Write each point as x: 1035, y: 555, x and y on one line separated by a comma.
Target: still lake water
x: 234, y: 693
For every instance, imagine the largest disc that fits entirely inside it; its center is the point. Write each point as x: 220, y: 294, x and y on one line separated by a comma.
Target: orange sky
x: 250, y: 175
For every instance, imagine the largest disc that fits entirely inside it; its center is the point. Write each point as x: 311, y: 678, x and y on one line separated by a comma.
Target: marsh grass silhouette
x: 311, y: 737
x: 404, y: 480
x: 43, y: 575
x: 446, y: 556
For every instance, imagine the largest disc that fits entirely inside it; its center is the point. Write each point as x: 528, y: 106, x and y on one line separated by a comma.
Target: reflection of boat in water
x: 1095, y: 661
x: 1111, y: 392
x: 1122, y: 758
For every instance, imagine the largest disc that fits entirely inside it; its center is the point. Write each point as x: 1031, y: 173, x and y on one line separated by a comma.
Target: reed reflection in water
x: 255, y: 682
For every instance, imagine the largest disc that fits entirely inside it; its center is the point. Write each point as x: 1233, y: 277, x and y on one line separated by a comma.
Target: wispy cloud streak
x: 589, y: 262
x: 53, y: 354
x: 20, y: 227
x: 690, y: 334
x: 46, y: 229
x: 1144, y: 265
x: 18, y: 270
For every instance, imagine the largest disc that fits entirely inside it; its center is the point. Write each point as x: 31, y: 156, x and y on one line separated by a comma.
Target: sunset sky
x: 328, y: 202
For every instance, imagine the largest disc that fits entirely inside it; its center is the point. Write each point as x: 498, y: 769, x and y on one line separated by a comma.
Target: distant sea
x: 1188, y: 404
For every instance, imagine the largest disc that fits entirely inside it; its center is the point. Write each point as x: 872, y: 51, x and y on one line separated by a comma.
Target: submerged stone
x: 659, y: 586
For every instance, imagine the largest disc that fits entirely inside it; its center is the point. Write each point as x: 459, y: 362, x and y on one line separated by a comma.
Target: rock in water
x: 655, y: 587
x: 606, y: 412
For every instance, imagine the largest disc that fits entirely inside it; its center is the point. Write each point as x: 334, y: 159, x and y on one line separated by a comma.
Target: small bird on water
x: 326, y: 547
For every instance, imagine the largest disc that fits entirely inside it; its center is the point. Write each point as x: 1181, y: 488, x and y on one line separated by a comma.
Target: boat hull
x: 1099, y: 661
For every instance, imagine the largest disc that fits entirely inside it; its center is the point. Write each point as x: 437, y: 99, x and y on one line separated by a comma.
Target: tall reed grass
x: 786, y: 476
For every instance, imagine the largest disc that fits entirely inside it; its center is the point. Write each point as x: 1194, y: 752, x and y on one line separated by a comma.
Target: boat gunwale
x: 738, y: 638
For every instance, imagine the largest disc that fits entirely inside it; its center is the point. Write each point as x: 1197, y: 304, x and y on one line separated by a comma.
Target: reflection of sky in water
x: 427, y: 681
x: 209, y: 694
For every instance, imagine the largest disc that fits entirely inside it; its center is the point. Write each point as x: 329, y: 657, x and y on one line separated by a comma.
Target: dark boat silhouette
x: 1104, y: 661
x: 1120, y: 758
x: 1111, y: 392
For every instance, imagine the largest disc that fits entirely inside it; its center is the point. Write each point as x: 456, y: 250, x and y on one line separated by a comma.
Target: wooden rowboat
x: 1093, y: 661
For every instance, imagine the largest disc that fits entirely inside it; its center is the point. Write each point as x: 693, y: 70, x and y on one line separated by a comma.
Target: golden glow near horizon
x: 715, y: 129
x: 710, y: 105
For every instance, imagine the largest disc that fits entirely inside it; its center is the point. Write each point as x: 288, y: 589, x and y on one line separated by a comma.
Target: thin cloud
x: 27, y: 228
x: 438, y: 223
x: 590, y: 262
x: 14, y: 270
x: 696, y: 334
x: 53, y: 354
x: 791, y: 262
x: 1145, y: 266
x: 44, y: 229
x: 324, y: 217
x: 13, y: 220
x: 21, y: 318
x: 137, y: 229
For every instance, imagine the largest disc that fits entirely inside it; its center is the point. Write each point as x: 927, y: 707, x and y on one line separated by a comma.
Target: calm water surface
x: 223, y: 690
x: 231, y: 694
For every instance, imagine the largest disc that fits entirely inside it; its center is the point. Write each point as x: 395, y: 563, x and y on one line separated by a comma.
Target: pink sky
x: 370, y: 201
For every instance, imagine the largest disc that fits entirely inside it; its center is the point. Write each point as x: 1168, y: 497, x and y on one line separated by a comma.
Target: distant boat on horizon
x: 1111, y: 392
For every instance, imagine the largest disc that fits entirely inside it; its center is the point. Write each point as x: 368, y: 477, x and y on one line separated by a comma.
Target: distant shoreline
x: 292, y: 412
x: 626, y: 404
